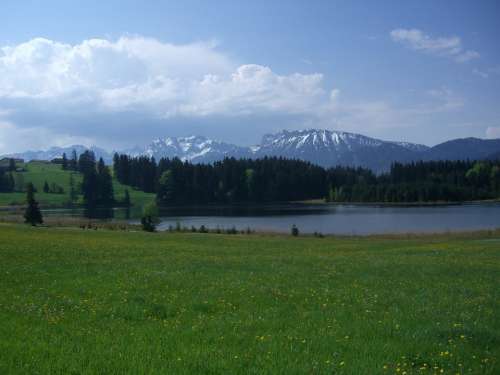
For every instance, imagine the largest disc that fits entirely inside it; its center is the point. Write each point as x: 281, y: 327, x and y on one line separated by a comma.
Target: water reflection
x: 328, y: 219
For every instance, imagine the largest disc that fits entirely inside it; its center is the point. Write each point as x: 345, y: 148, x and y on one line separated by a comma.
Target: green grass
x: 39, y: 172
x: 103, y: 302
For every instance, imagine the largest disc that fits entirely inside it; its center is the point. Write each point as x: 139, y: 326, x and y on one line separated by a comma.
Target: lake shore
x: 127, y: 225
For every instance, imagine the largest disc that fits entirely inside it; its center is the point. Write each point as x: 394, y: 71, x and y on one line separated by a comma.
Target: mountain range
x: 323, y: 147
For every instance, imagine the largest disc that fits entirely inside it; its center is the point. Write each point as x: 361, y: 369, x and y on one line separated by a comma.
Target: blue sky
x: 119, y: 73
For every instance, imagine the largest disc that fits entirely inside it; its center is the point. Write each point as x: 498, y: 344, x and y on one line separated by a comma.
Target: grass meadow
x: 38, y: 172
x: 76, y: 301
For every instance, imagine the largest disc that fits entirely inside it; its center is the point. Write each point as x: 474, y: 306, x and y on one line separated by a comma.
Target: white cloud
x: 480, y: 73
x: 62, y: 86
x: 493, y: 132
x: 138, y: 73
x: 441, y: 46
x: 125, y: 92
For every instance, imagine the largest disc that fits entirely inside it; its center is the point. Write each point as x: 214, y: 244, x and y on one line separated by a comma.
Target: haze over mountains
x: 323, y: 147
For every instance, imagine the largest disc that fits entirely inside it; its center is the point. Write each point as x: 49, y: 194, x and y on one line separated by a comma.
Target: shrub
x: 150, y: 218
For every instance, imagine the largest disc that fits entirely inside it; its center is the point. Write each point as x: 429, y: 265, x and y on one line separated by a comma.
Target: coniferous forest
x: 281, y: 180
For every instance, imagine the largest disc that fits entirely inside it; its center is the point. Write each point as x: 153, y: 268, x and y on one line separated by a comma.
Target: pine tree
x: 46, y: 187
x: 32, y: 214
x: 166, y: 190
x: 89, y: 188
x: 73, y: 163
x: 12, y: 165
x: 64, y: 161
x: 104, y: 183
x: 72, y: 190
x: 126, y: 199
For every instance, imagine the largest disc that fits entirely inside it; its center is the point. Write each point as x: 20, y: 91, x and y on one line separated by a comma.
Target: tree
x: 86, y: 162
x: 64, y: 161
x: 104, y: 184
x: 495, y: 179
x: 12, y: 165
x: 166, y: 193
x: 32, y: 215
x: 6, y: 182
x: 89, y: 191
x: 295, y: 230
x: 46, y: 187
x: 150, y: 217
x: 73, y: 196
x: 73, y: 163
x: 126, y: 199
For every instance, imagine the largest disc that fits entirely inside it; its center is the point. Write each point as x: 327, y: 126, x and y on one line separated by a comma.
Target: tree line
x: 7, y: 183
x: 97, y: 182
x: 273, y: 179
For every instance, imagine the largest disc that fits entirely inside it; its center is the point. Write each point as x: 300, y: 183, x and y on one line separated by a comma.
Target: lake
x: 324, y: 218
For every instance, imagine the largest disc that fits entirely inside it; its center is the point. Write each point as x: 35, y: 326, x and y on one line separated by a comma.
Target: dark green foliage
x: 56, y: 189
x: 126, y: 199
x: 231, y: 230
x: 73, y: 195
x: 64, y: 162
x: 150, y: 219
x: 277, y: 179
x: 73, y: 163
x: 104, y: 184
x: 45, y: 187
x: 12, y: 165
x: 32, y: 215
x: 97, y: 184
x: 7, y: 183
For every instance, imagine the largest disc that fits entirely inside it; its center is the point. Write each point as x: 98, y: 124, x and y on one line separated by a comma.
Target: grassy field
x: 39, y: 172
x: 103, y: 302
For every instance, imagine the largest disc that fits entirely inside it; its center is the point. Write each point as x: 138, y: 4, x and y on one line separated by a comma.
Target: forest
x: 281, y: 180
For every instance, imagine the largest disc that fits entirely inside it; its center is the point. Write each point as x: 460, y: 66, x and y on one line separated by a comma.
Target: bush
x: 150, y: 218
x: 232, y: 230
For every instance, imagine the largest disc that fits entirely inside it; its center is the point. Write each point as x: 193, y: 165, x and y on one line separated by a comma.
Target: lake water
x: 327, y: 219
x: 341, y: 219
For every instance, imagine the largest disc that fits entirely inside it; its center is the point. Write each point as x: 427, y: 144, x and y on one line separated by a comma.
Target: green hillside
x: 37, y: 172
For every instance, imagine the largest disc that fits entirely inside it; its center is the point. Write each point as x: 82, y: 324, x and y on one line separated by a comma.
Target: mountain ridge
x: 327, y: 148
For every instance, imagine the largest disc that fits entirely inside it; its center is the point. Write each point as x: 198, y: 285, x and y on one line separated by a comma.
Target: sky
x: 120, y: 73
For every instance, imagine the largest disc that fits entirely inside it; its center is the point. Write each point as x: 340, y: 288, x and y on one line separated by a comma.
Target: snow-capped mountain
x: 57, y: 152
x: 330, y: 148
x: 196, y: 149
x: 323, y: 147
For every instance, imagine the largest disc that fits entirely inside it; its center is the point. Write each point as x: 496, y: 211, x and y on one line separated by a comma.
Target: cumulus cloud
x: 141, y: 73
x: 450, y: 47
x: 141, y: 80
x: 119, y: 93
